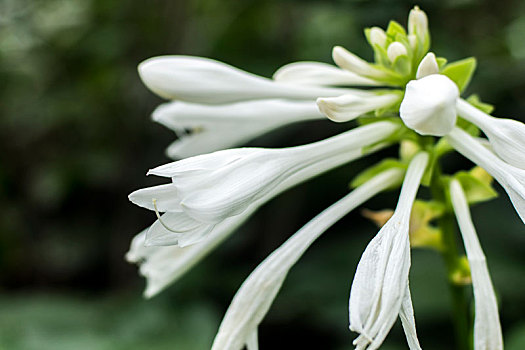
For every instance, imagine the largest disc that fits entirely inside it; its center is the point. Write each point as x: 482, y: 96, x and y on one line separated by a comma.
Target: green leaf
x: 482, y: 106
x: 477, y: 185
x: 460, y: 71
x: 376, y: 169
x: 441, y: 61
x: 395, y: 28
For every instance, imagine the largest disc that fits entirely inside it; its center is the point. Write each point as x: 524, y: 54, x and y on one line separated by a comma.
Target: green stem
x: 450, y: 255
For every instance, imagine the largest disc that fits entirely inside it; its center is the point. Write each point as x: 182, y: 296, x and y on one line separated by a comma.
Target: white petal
x: 347, y: 60
x: 347, y: 107
x: 165, y: 196
x: 487, y: 327
x: 406, y: 315
x: 428, y: 66
x: 379, y: 285
x: 429, y: 105
x: 507, y: 136
x: 511, y: 178
x: 378, y: 36
x: 203, y: 80
x: 316, y: 73
x: 255, y: 296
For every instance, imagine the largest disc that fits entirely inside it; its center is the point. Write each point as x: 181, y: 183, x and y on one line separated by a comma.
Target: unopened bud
x: 417, y: 22
x: 428, y: 66
x: 395, y: 50
x: 429, y: 105
x: 377, y: 36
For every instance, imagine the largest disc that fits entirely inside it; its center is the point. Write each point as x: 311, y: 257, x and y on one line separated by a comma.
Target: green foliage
x: 460, y: 72
x: 376, y: 169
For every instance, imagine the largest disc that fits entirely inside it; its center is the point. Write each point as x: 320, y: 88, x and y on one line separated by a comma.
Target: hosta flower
x: 381, y: 281
x: 487, y: 329
x: 407, y: 96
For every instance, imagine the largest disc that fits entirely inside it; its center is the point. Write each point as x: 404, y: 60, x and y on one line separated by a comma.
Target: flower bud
x: 377, y: 36
x: 428, y: 66
x: 417, y: 22
x: 395, y: 50
x: 429, y: 105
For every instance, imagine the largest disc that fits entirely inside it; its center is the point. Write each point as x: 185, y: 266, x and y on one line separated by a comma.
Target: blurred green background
x: 76, y: 138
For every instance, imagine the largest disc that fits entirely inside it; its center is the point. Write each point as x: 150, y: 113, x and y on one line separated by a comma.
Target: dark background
x: 76, y: 138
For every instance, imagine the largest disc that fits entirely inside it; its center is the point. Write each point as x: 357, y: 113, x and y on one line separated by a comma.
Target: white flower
x: 348, y: 107
x: 487, y: 328
x: 378, y: 36
x: 255, y: 296
x: 507, y: 136
x: 381, y: 280
x: 317, y: 73
x: 163, y: 265
x: 216, y: 127
x: 203, y: 80
x: 429, y: 105
x: 207, y: 189
x: 511, y: 178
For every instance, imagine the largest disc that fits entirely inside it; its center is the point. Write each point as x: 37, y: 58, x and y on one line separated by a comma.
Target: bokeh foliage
x: 76, y: 138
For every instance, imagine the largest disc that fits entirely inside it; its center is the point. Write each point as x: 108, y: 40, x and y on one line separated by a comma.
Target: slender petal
x: 487, y: 327
x: 255, y: 296
x: 511, y: 178
x: 348, y: 107
x: 316, y: 73
x: 409, y: 323
x: 507, y: 136
x: 216, y: 127
x: 163, y: 265
x: 429, y: 105
x: 381, y: 280
x: 203, y: 80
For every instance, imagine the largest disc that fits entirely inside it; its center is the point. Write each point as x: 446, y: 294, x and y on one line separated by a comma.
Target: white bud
x: 429, y: 105
x: 377, y: 36
x: 417, y: 22
x: 412, y: 39
x: 428, y: 66
x: 395, y: 50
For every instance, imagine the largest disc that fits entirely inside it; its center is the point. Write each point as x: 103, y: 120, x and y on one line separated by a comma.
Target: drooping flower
x: 487, y: 328
x: 381, y: 280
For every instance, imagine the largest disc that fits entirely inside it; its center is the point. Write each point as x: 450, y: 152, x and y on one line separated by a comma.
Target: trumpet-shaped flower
x: 487, y: 328
x: 381, y: 280
x: 506, y: 136
x: 511, y: 178
x: 255, y: 296
x: 207, y: 189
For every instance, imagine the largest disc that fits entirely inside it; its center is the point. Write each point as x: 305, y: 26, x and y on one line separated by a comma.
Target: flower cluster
x: 407, y: 97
